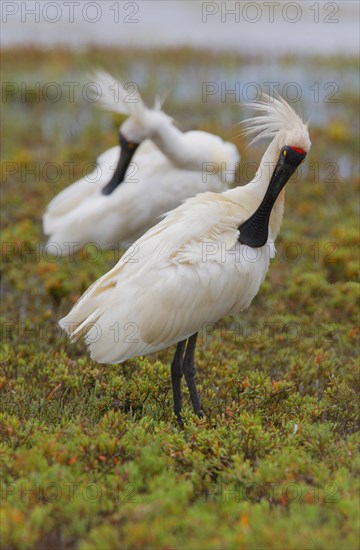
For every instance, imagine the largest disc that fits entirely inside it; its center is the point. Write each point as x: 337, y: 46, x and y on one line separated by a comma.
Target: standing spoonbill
x: 117, y: 206
x: 204, y: 260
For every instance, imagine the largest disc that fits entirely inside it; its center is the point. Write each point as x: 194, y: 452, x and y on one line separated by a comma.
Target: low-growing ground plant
x: 91, y: 455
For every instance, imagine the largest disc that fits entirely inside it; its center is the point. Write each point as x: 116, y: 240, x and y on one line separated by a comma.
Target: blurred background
x: 216, y: 54
x: 208, y: 59
x: 242, y: 27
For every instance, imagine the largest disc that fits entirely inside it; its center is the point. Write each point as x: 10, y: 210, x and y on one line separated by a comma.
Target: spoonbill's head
x: 291, y: 143
x: 293, y: 140
x: 296, y: 142
x: 141, y: 123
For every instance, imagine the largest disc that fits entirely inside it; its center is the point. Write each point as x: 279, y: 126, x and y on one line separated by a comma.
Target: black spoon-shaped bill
x: 128, y: 149
x: 255, y: 230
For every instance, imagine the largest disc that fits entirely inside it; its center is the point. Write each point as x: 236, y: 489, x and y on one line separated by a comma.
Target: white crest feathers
x: 118, y: 97
x: 275, y: 115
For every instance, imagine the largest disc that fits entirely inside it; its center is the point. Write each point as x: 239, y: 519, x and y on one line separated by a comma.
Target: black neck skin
x: 127, y: 151
x: 255, y: 230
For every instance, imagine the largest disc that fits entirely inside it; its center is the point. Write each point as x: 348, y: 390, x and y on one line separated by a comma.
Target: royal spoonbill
x: 204, y: 260
x: 117, y: 203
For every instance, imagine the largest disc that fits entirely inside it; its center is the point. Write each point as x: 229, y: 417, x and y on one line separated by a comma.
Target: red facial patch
x: 298, y: 150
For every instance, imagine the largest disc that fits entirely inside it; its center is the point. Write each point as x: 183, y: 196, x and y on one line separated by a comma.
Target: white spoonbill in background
x: 205, y: 260
x: 117, y: 203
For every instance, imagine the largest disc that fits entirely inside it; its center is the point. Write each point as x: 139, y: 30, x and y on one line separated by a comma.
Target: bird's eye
x: 284, y: 153
x: 131, y: 145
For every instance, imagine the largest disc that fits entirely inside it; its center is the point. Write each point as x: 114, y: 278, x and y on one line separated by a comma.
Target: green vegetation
x: 92, y: 456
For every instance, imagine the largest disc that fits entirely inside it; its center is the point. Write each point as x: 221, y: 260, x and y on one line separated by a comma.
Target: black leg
x: 176, y: 374
x: 189, y: 372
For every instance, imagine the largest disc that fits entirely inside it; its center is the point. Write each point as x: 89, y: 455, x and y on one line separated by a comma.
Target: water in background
x: 305, y: 27
x: 258, y: 37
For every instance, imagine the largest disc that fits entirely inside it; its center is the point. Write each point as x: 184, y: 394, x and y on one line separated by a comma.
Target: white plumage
x: 190, y: 268
x: 172, y: 280
x: 168, y: 167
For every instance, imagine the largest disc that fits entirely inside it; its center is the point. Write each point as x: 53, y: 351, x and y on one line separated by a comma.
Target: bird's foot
x: 200, y: 413
x: 179, y: 419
